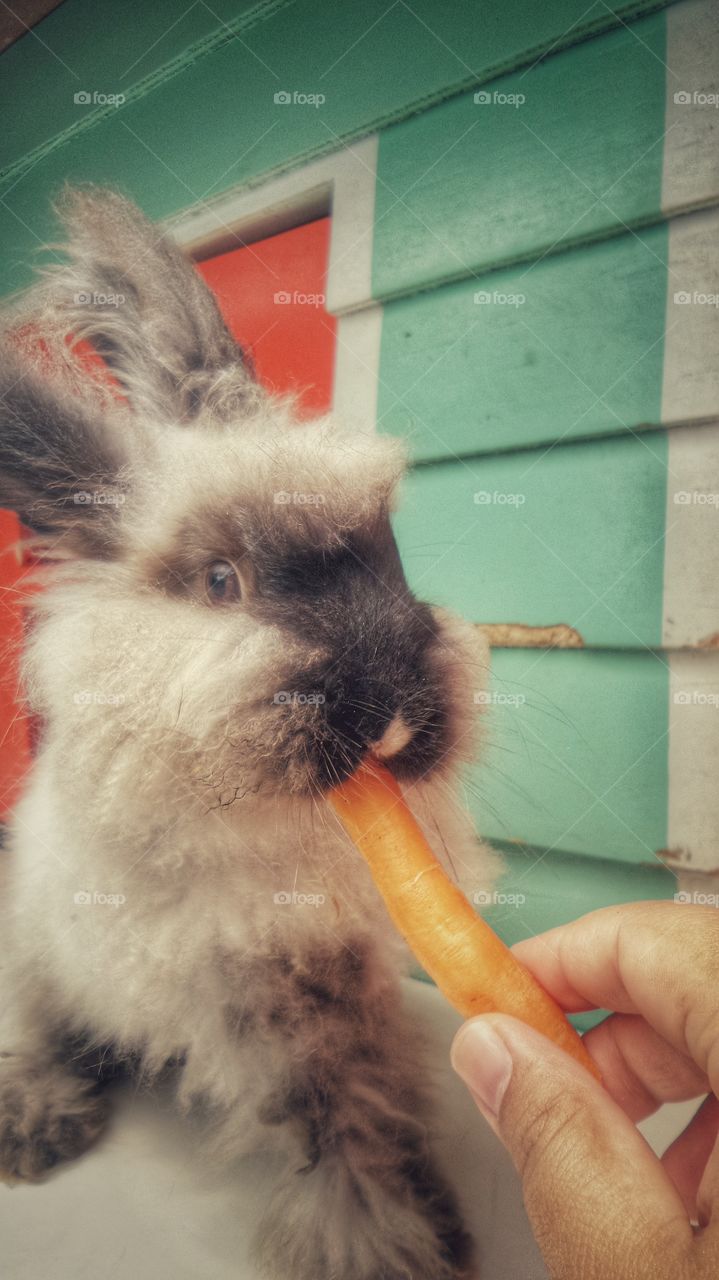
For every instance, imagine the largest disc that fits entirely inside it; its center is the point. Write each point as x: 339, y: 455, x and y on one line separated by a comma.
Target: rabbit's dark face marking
x: 360, y: 662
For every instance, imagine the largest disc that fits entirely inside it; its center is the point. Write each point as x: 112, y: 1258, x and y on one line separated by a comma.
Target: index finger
x: 656, y: 959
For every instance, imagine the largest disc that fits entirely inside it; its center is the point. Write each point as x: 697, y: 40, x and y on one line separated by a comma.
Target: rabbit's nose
x: 393, y: 740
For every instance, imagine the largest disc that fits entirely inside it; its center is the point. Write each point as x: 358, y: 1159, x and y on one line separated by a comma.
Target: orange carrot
x: 469, y: 963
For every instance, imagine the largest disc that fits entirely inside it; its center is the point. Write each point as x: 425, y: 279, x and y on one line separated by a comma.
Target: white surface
x: 142, y: 1206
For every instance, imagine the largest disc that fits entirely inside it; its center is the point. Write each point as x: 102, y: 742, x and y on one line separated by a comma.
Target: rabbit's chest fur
x: 154, y: 947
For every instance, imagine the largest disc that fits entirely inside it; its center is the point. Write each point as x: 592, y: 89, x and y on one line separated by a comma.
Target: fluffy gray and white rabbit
x: 224, y: 631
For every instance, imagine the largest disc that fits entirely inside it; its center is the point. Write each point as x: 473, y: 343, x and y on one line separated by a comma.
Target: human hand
x: 601, y: 1204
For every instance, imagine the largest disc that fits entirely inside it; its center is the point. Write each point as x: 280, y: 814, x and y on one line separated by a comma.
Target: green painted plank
x: 573, y: 534
x: 570, y: 348
x: 96, y: 46
x: 216, y: 125
x: 468, y: 185
x: 92, y: 44
x: 576, y: 754
x: 539, y: 891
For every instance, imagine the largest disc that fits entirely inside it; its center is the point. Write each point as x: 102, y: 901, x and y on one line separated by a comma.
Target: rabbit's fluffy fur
x: 177, y: 894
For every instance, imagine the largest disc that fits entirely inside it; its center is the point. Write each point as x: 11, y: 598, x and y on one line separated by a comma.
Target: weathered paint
x: 516, y: 635
x: 570, y: 535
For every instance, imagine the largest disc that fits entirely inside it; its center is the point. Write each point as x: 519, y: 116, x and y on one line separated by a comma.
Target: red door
x: 271, y: 295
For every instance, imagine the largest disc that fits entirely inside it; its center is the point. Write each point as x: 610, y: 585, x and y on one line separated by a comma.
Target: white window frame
x: 341, y: 185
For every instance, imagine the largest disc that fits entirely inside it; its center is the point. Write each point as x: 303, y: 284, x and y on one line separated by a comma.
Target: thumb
x: 598, y: 1199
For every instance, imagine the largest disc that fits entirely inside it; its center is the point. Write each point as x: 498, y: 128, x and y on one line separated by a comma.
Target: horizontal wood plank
x: 572, y: 535
x: 570, y: 348
x: 576, y: 754
x: 204, y: 117
x: 574, y: 149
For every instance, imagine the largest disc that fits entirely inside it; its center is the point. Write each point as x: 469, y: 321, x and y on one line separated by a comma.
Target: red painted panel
x: 271, y: 295
x: 14, y: 732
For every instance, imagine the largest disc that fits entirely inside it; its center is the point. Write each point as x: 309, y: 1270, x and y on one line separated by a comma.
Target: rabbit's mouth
x: 323, y: 730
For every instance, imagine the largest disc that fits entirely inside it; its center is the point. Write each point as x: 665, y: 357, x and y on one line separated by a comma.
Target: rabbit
x: 224, y: 632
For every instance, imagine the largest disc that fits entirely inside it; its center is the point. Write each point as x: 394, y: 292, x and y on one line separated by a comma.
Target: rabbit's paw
x: 47, y: 1115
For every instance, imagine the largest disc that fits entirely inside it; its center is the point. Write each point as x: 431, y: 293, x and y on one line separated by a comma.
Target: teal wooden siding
x: 538, y: 887
x: 531, y: 254
x: 576, y: 757
x: 199, y: 114
x: 578, y: 156
x: 573, y: 536
x: 525, y: 355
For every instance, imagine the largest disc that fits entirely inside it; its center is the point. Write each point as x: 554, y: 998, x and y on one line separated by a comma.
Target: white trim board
x: 343, y: 185
x: 691, y: 552
x: 691, y: 155
x: 690, y: 402
x: 690, y: 387
x: 693, y: 801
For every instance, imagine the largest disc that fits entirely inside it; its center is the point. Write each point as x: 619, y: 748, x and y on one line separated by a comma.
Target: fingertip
x: 482, y: 1060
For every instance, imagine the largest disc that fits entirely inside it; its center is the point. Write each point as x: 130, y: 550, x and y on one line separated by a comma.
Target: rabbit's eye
x: 222, y: 583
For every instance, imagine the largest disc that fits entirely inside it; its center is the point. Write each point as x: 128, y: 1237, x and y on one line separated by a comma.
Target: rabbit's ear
x: 132, y: 293
x: 60, y: 466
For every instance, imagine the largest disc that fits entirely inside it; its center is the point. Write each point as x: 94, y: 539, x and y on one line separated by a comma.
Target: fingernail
x: 482, y: 1060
